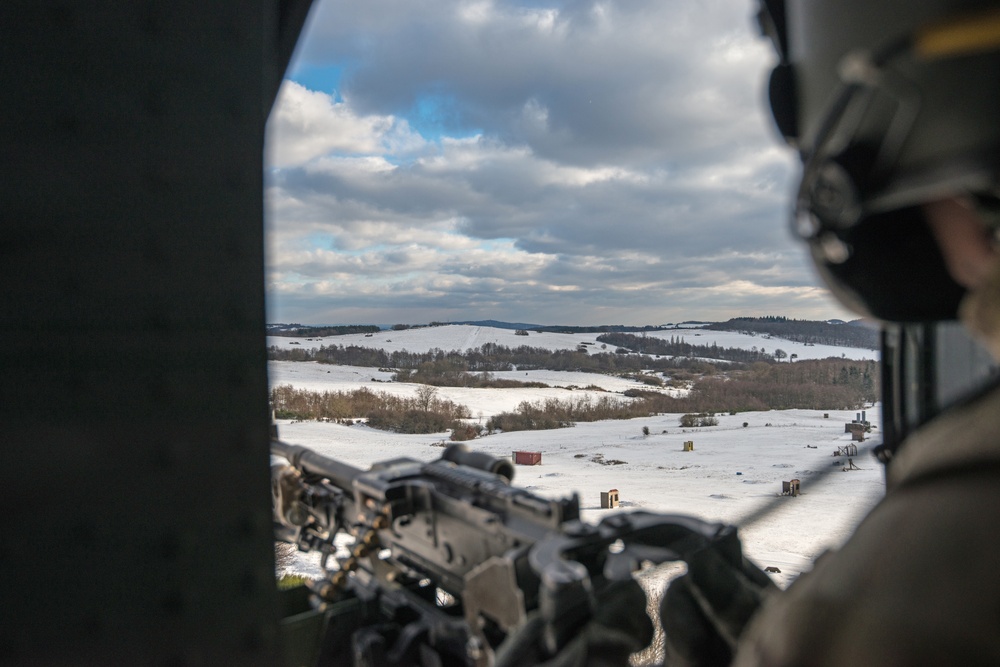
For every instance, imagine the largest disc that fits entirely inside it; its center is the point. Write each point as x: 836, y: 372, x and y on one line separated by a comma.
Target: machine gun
x: 448, y: 559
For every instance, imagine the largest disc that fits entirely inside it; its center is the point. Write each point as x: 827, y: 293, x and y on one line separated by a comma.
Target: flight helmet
x: 890, y: 104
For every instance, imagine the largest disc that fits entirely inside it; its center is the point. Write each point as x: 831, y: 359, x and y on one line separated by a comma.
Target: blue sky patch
x: 323, y: 78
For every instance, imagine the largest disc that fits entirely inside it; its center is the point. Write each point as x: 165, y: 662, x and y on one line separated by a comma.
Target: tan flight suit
x: 919, y: 581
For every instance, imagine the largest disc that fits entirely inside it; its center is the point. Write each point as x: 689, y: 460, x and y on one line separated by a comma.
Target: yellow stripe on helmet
x: 971, y: 33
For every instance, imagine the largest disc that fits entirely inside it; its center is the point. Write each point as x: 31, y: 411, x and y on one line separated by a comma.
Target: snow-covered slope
x: 485, y: 402
x: 462, y: 337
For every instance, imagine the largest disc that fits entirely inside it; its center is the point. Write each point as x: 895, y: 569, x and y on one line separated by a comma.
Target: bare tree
x: 426, y: 397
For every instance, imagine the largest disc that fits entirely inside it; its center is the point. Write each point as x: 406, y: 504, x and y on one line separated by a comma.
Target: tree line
x: 804, y: 331
x: 678, y: 347
x: 302, y: 330
x: 490, y: 357
x: 424, y: 412
x: 820, y: 384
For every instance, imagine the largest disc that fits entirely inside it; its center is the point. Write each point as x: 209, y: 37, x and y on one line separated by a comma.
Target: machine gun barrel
x: 460, y: 455
x: 341, y: 474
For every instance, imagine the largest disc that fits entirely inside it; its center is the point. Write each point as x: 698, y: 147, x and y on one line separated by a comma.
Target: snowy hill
x: 463, y: 337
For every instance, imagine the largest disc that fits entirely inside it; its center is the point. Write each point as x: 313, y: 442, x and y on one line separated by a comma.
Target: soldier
x: 893, y: 107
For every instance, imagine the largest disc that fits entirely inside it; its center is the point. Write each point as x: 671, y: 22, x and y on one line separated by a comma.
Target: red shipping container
x: 528, y: 458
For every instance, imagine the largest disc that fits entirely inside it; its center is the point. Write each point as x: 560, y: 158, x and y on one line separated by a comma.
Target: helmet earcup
x: 783, y: 101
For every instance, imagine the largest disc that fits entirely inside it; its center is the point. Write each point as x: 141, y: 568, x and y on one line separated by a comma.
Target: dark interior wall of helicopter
x: 133, y: 382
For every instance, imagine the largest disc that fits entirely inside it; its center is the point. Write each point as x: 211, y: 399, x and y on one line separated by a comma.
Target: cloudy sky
x: 559, y: 162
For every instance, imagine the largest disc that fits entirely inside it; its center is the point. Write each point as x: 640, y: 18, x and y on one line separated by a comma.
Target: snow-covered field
x: 463, y: 337
x: 732, y: 472
x: 486, y: 402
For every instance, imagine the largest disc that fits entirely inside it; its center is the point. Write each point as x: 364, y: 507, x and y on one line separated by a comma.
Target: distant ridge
x: 555, y: 328
x: 603, y: 328
x: 856, y: 333
x: 497, y: 324
x: 832, y: 332
x: 296, y: 330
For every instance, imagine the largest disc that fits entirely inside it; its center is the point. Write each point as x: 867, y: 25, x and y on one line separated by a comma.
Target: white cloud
x: 479, y: 12
x: 584, y: 159
x: 350, y: 166
x: 306, y: 124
